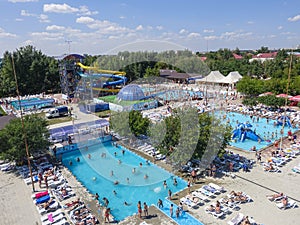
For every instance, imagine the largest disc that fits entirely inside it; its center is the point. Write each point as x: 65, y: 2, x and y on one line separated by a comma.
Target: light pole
x: 22, y: 121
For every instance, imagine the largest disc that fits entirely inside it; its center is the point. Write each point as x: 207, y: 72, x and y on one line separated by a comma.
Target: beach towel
x: 50, y: 218
x: 42, y: 199
x: 41, y: 194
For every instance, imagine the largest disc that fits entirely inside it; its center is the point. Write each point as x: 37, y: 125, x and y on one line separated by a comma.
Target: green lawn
x: 113, y: 99
x: 55, y: 120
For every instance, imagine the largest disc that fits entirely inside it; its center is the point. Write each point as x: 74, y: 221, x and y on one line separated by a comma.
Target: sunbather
x: 275, y: 196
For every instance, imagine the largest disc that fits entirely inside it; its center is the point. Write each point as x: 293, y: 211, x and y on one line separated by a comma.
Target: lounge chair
x: 214, y: 213
x: 205, y: 192
x: 188, y: 202
x: 217, y: 187
x: 42, y: 199
x: 211, y: 189
x: 290, y: 204
x: 201, y: 196
x: 28, y: 180
x: 52, y: 207
x: 53, y: 220
x: 54, y: 214
x: 236, y: 220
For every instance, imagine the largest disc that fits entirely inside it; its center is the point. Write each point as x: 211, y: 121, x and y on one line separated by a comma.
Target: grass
x: 55, y: 120
x: 2, y: 112
x: 103, y: 114
x: 113, y: 99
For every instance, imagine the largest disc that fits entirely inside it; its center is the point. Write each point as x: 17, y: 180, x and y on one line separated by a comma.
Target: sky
x: 97, y: 27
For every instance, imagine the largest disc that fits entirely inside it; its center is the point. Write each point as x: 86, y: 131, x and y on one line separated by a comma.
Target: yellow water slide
x: 98, y: 70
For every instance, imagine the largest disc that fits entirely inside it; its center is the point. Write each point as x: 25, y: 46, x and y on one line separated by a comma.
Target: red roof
x: 236, y: 56
x: 203, y: 58
x: 265, y: 55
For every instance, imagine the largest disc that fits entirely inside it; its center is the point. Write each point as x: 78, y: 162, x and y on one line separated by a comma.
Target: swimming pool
x: 262, y: 128
x: 96, y: 175
x: 32, y: 103
x: 184, y: 219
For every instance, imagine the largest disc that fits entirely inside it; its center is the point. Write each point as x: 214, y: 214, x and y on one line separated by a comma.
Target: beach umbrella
x: 284, y: 96
x: 295, y: 98
x: 265, y: 94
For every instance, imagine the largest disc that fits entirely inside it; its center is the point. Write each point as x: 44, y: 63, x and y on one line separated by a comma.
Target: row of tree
x: 182, y: 136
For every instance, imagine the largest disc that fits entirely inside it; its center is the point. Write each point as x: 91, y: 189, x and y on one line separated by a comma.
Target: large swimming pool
x: 263, y: 128
x: 108, y: 164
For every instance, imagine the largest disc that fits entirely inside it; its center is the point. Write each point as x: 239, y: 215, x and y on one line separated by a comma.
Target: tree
x: 36, y: 72
x: 12, y: 143
x: 137, y: 123
x: 272, y: 100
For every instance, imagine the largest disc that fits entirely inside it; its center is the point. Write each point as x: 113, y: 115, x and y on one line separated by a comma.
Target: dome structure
x: 131, y: 92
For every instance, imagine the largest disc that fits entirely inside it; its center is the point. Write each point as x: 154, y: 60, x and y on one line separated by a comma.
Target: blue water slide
x: 236, y: 133
x: 251, y: 135
x: 121, y: 79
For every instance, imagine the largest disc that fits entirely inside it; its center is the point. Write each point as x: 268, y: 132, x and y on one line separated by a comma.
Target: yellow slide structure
x: 101, y: 71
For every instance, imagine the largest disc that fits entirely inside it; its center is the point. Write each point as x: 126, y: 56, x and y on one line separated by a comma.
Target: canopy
x: 232, y: 78
x: 295, y: 98
x: 212, y: 77
x: 284, y: 96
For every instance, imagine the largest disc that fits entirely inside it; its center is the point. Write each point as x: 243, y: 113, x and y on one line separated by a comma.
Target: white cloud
x: 15, y: 1
x: 159, y: 27
x: 208, y: 31
x: 193, y: 35
x: 84, y: 10
x: 42, y: 17
x: 4, y: 34
x: 280, y: 27
x: 55, y: 27
x: 235, y: 35
x: 211, y: 38
x: 294, y: 19
x: 122, y: 17
x: 84, y: 19
x: 183, y: 31
x: 250, y: 22
x: 19, y: 19
x: 26, y: 13
x: 139, y: 27
x: 47, y: 36
x: 59, y: 8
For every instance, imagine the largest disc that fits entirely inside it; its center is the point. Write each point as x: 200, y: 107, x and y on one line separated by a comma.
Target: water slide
x: 281, y: 119
x: 243, y: 132
x: 119, y: 76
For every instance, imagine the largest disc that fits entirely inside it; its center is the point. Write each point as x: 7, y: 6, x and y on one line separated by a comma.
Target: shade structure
x: 212, y: 77
x: 265, y: 94
x: 283, y: 96
x: 232, y: 78
x: 295, y: 98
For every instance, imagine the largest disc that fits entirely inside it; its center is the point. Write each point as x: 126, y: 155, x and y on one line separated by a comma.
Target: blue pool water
x: 95, y: 175
x: 31, y: 103
x: 184, y: 219
x: 262, y: 129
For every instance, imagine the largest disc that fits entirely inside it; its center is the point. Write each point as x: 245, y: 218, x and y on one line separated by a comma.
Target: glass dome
x: 131, y: 92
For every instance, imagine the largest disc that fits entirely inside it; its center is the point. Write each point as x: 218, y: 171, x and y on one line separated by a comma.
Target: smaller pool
x: 264, y: 128
x: 32, y: 103
x: 184, y: 219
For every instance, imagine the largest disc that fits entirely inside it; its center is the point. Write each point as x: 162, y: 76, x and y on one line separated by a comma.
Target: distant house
x: 175, y: 76
x: 264, y: 56
x: 236, y: 56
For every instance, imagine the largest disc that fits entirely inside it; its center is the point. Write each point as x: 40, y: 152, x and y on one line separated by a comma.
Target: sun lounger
x: 217, y: 187
x: 201, y: 196
x: 205, y: 192
x: 188, y: 202
x: 210, y: 189
x: 236, y: 220
x: 214, y: 213
x: 53, y: 220
x: 28, y: 180
x: 53, y: 214
x: 290, y: 204
x: 52, y: 207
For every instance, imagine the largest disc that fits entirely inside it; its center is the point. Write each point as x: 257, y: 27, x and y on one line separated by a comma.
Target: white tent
x: 231, y: 78
x: 212, y: 77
